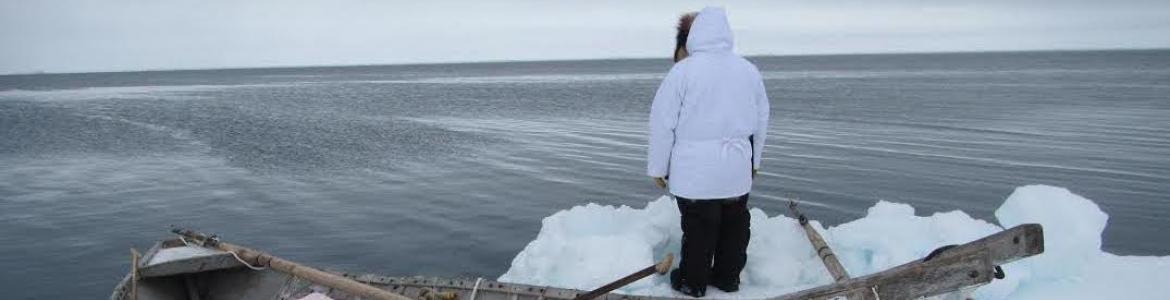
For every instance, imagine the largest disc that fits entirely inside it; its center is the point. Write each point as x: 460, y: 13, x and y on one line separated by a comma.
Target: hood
x: 710, y: 32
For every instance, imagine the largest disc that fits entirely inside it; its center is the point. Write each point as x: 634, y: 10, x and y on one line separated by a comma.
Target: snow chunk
x: 1072, y: 226
x: 1073, y: 265
x: 588, y: 246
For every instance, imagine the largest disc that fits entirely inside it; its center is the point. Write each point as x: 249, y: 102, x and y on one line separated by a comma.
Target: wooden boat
x: 180, y: 269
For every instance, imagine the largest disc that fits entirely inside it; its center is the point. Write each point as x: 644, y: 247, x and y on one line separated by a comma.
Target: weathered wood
x: 948, y: 271
x: 192, y: 289
x: 134, y: 256
x: 820, y: 246
x: 487, y: 289
x: 1008, y: 246
x: 661, y: 268
x: 189, y: 262
x: 921, y: 279
x: 257, y: 258
x: 1002, y: 247
x: 966, y: 265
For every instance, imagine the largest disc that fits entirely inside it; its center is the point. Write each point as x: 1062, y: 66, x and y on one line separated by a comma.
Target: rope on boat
x: 475, y: 289
x: 237, y: 256
x: 241, y: 260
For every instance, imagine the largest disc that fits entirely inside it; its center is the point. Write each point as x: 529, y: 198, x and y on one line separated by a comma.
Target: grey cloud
x: 80, y: 35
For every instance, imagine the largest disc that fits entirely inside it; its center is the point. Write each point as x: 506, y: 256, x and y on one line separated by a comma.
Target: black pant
x: 715, y: 239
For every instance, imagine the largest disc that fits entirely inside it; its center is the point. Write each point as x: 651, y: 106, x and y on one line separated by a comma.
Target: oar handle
x: 660, y: 267
x: 664, y: 265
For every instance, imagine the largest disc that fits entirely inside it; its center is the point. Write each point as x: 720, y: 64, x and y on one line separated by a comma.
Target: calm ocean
x: 448, y: 170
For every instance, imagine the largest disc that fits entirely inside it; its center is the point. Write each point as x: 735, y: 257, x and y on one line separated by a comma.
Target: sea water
x: 449, y: 170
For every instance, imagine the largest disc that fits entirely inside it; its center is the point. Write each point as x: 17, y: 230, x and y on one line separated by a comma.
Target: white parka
x: 703, y: 114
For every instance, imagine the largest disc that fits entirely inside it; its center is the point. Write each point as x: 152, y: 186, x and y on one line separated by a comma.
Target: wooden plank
x: 1010, y: 245
x: 195, y: 263
x: 486, y: 286
x: 921, y: 279
x: 939, y: 277
x: 1003, y: 247
x: 149, y: 254
x: 134, y: 256
x: 978, y: 257
x: 191, y: 287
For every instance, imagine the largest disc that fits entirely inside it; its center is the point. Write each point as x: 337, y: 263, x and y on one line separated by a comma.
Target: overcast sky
x: 110, y: 35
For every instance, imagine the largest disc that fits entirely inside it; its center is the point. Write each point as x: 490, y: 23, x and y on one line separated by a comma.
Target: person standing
x: 708, y: 124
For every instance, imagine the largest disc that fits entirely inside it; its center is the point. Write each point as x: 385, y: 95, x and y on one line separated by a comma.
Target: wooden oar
x: 661, y: 268
x: 257, y: 258
x: 822, y: 248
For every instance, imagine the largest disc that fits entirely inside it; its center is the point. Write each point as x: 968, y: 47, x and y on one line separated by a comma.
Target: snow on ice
x: 588, y: 246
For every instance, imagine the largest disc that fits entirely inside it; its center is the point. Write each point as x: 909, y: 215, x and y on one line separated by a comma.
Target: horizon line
x: 489, y: 61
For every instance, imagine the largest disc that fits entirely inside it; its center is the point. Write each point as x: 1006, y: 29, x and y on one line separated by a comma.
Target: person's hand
x: 660, y: 182
x: 754, y: 172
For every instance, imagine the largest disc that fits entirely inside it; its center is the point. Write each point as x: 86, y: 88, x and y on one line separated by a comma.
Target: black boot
x: 729, y: 286
x: 678, y: 284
